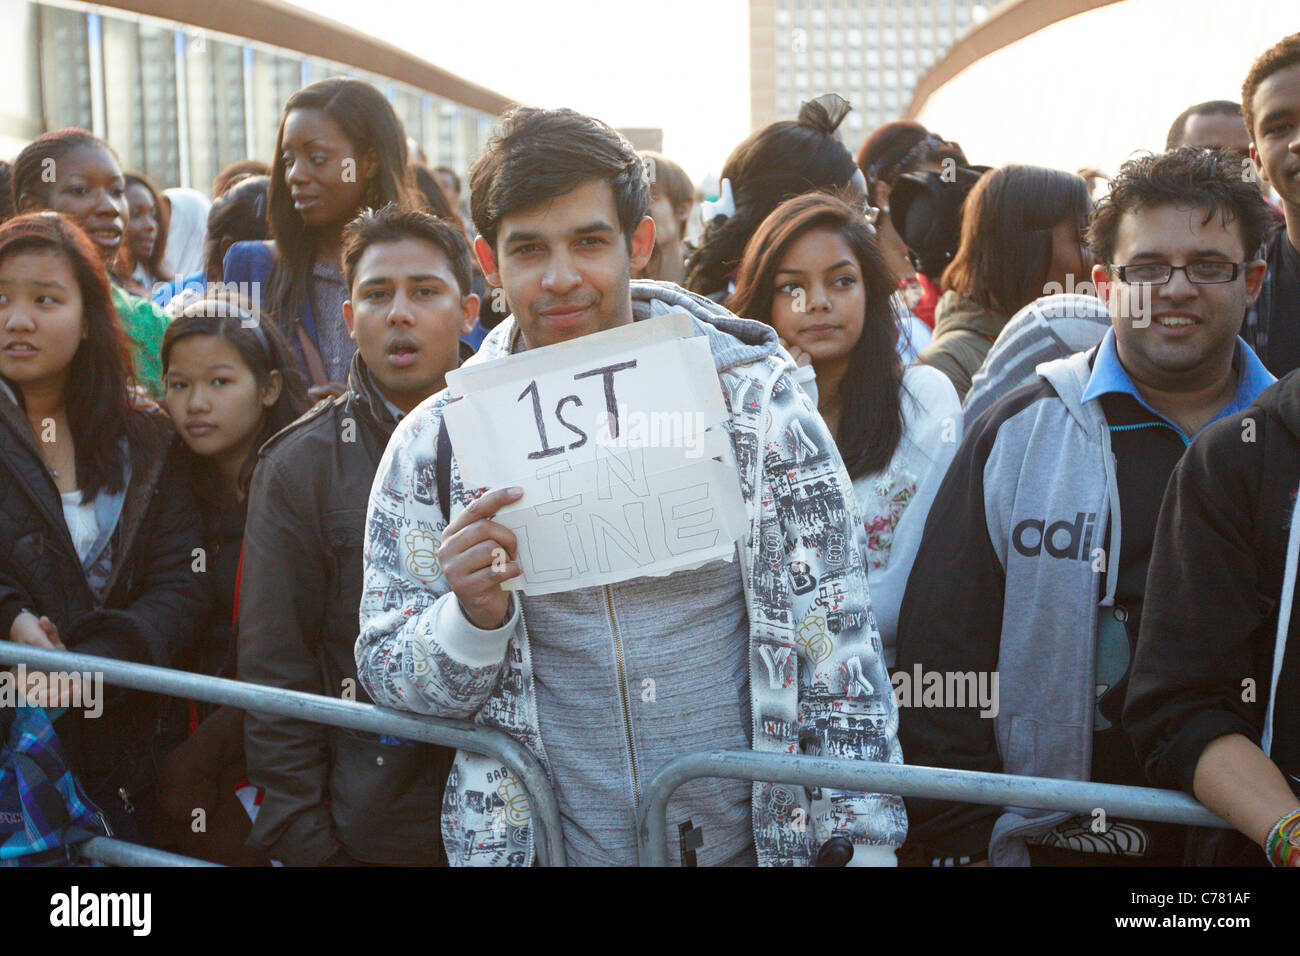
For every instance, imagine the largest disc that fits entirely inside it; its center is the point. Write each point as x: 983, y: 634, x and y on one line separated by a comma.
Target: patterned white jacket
x: 818, y: 684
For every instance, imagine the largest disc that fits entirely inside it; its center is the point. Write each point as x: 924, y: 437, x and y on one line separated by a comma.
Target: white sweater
x: 896, y: 501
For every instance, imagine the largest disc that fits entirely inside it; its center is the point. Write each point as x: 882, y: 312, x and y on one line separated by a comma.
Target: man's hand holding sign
x: 473, y: 557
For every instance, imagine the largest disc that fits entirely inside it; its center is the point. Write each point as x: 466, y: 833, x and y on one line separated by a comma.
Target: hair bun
x: 825, y: 112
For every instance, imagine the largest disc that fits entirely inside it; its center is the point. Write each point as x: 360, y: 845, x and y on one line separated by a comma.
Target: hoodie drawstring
x: 1112, y: 492
x: 1283, y: 623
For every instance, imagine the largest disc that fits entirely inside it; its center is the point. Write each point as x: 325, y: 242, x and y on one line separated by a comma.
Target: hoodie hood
x: 1069, y: 377
x: 961, y: 313
x: 1049, y: 328
x: 732, y: 340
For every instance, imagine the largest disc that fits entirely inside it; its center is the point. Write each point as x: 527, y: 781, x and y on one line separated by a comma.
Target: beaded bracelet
x: 1282, y: 845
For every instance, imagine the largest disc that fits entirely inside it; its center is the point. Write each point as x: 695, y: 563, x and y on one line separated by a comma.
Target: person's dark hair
x: 368, y: 122
x: 534, y: 155
x: 6, y: 197
x: 668, y: 179
x: 263, y: 351
x: 432, y: 193
x: 154, y: 265
x: 871, y: 417
x: 31, y: 165
x: 1281, y: 55
x: 1174, y: 139
x: 785, y: 159
x: 393, y: 223
x: 450, y: 172
x: 98, y: 401
x: 903, y: 147
x: 1197, y: 178
x: 1005, y: 253
x: 237, y: 172
x: 237, y: 215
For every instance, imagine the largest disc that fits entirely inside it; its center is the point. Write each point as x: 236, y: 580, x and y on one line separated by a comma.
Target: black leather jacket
x: 326, y: 789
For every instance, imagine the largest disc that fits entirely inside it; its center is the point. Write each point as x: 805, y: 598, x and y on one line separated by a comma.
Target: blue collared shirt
x: 1108, y: 375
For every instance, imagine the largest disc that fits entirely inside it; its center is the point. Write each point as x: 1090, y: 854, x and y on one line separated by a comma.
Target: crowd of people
x: 989, y: 433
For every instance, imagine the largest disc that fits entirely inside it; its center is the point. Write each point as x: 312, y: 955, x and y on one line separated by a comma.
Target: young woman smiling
x: 139, y: 259
x: 99, y: 529
x: 814, y: 273
x: 74, y: 173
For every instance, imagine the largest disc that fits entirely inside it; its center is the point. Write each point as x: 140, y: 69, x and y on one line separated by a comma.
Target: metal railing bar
x: 1009, y: 790
x: 527, y: 769
x: 119, y: 853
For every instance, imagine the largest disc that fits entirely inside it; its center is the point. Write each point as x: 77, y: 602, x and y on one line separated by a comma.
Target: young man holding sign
x: 771, y: 646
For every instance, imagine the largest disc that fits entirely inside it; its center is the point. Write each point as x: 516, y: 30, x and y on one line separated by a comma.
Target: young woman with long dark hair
x: 77, y: 174
x: 99, y: 529
x: 814, y: 273
x: 339, y: 149
x: 1021, y: 238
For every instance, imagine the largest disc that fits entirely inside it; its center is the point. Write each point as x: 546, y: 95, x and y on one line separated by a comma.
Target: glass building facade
x: 178, y: 103
x: 872, y: 52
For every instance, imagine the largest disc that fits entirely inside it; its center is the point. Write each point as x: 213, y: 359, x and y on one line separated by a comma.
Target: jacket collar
x: 1109, y: 376
x: 956, y: 312
x: 31, y: 476
x: 364, y: 396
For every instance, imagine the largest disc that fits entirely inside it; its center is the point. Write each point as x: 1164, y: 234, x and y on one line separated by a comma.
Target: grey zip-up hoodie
x: 807, y: 653
x: 1046, y: 477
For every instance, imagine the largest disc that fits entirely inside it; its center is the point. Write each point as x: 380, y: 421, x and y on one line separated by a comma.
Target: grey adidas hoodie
x: 1045, y: 475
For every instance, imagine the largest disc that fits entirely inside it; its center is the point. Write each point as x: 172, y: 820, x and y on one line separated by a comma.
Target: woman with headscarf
x: 187, y: 231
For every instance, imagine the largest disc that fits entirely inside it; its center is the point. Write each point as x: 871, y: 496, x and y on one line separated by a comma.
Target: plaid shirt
x: 43, y: 809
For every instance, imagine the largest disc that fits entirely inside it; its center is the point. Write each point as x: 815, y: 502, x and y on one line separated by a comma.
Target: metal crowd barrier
x: 1137, y: 803
x: 463, y: 735
x: 120, y: 853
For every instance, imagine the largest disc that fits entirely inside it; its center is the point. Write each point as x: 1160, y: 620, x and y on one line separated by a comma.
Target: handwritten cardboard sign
x: 617, y: 440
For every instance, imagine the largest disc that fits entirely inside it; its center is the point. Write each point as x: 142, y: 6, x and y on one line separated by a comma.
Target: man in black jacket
x: 335, y: 796
x: 1213, y: 703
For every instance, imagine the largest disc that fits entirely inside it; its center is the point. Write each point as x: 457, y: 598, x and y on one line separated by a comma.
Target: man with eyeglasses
x: 1053, y: 498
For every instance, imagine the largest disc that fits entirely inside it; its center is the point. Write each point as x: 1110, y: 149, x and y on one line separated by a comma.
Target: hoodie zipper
x: 1128, y: 428
x: 622, y: 693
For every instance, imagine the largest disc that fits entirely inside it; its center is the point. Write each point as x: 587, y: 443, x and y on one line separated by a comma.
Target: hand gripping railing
x: 527, y: 769
x: 1136, y: 803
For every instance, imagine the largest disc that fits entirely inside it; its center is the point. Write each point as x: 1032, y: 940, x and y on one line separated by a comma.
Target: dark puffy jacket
x: 154, y: 603
x: 326, y: 789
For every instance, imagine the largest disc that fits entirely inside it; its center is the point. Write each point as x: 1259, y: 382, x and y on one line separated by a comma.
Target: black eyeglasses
x: 1198, y: 273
